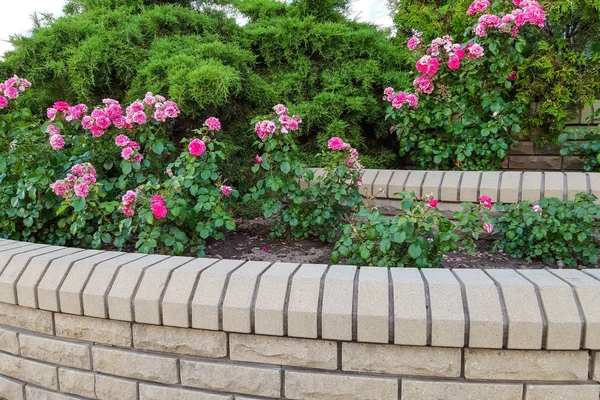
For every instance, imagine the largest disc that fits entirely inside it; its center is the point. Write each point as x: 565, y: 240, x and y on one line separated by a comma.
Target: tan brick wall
x: 401, y: 334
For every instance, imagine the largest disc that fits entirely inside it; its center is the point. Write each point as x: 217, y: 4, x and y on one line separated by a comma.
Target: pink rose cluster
x: 67, y: 112
x: 213, y: 124
x: 127, y: 202
x: 401, y: 98
x: 441, y: 49
x: 130, y: 149
x: 226, y: 190
x: 415, y: 41
x: 337, y: 144
x: 287, y: 123
x: 11, y: 88
x: 485, y: 201
x: 57, y: 142
x: 77, y: 182
x: 102, y: 118
x: 526, y: 12
x: 163, y: 109
x: 159, y: 207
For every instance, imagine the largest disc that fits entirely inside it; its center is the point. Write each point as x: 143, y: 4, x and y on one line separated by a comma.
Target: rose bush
x: 116, y: 177
x: 464, y: 111
x: 314, y: 211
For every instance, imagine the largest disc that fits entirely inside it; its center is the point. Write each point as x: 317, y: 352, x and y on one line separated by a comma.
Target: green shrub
x: 551, y: 230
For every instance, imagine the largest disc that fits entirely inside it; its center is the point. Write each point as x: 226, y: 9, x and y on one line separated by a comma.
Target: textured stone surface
x: 205, y: 304
x: 532, y: 186
x: 270, y: 300
x: 8, y: 341
x: 123, y: 288
x: 258, y: 381
x: 48, y: 288
x: 524, y: 315
x: 72, y: 287
x: 396, y: 183
x: 436, y: 390
x: 588, y: 293
x: 154, y: 392
x: 27, y: 284
x: 526, y: 365
x: 38, y: 373
x: 114, y: 333
x: 576, y: 183
x: 95, y: 291
x: 489, y: 184
x: 304, y: 300
x: 380, y: 186
x: 563, y: 392
x: 192, y: 342
x: 55, y: 351
x: 368, y: 178
x: 469, y: 187
x: 108, y: 387
x: 535, y: 162
x: 447, y: 313
x: 510, y: 187
x: 432, y: 184
x: 596, y: 371
x: 372, y: 321
x: 77, y: 382
x: 178, y: 294
x: 329, y: 386
x: 11, y: 389
x: 321, y: 354
x: 414, y: 182
x: 135, y: 365
x: 336, y: 311
x: 238, y: 298
x: 449, y: 190
x: 554, y: 185
x: 562, y: 316
x: 36, y: 393
x: 401, y: 360
x: 26, y: 318
x: 410, y: 314
x: 486, y: 322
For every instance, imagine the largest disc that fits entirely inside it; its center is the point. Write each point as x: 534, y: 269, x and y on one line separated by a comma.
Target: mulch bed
x: 251, y: 242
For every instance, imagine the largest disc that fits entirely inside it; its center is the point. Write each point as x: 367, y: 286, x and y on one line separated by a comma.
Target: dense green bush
x: 551, y: 230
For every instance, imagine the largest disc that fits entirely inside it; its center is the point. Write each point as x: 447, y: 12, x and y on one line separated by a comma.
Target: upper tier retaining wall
x: 110, y: 325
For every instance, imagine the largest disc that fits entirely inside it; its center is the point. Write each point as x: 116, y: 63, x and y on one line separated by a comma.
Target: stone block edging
x: 466, y: 186
x: 99, y: 324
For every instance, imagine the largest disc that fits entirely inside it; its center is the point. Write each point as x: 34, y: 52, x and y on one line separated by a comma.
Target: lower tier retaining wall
x: 93, y: 358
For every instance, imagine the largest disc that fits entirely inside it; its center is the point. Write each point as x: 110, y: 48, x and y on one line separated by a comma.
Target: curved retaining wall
x: 108, y: 325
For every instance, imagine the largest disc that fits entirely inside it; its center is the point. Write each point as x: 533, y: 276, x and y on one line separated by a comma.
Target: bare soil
x: 251, y: 242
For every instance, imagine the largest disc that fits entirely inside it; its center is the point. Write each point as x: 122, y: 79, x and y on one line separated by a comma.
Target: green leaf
x: 126, y: 167
x: 285, y: 167
x: 415, y: 251
x: 158, y: 147
x: 78, y: 203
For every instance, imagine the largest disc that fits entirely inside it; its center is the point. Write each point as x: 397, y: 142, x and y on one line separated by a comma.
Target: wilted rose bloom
x: 57, y: 142
x: 512, y: 76
x: 536, y: 207
x: 213, y: 124
x: 488, y: 227
x: 257, y: 159
x: 51, y: 113
x: 197, y: 147
x: 335, y: 143
x: 226, y: 190
x: 359, y: 182
x: 432, y: 203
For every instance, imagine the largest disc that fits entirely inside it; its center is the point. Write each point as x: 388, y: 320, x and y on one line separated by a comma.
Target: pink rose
x: 127, y: 153
x: 3, y: 102
x: 460, y: 53
x: 97, y: 113
x: 11, y: 92
x: 335, y: 143
x: 213, y: 124
x: 197, y: 147
x: 280, y: 109
x: 122, y: 141
x: 61, y: 106
x: 53, y: 130
x: 87, y: 122
x: 149, y: 99
x: 172, y: 112
x: 97, y: 131
x: 51, y: 113
x: 432, y: 203
x: 139, y: 118
x: 485, y: 201
x: 454, y: 63
x: 536, y: 207
x: 57, y: 142
x: 226, y: 190
x: 412, y: 100
x: 413, y: 42
x: 81, y: 190
x: 257, y: 159
x: 159, y: 210
x: 103, y: 122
